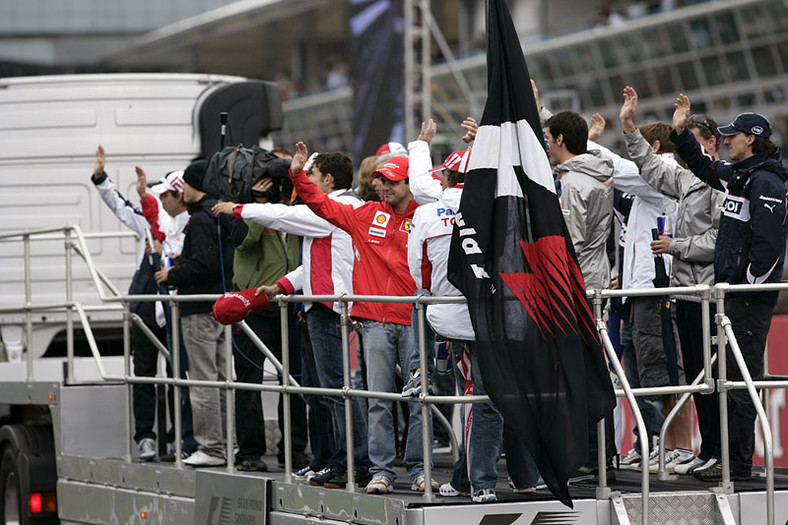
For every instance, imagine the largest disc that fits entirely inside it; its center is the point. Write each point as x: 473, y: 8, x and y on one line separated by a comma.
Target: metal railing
x: 704, y: 383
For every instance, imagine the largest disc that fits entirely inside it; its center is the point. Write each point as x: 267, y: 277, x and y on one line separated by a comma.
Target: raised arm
x: 424, y: 187
x: 123, y: 209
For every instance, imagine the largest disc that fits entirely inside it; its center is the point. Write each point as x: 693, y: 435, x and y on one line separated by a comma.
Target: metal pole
x: 601, y: 450
x: 410, y: 67
x: 176, y: 373
x: 126, y: 375
x: 768, y: 449
x: 723, y: 374
x: 69, y: 312
x: 706, y: 325
x: 28, y: 312
x: 426, y: 61
x: 229, y: 435
x: 349, y: 437
x: 288, y: 438
x: 426, y: 442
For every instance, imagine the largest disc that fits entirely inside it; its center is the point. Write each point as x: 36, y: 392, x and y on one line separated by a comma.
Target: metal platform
x: 98, y: 491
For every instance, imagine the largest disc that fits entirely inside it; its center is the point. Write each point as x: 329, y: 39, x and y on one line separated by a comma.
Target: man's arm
x: 574, y: 208
x: 122, y: 208
x: 340, y: 215
x: 700, y: 248
x: 416, y: 249
x: 716, y: 173
x: 296, y: 220
x: 292, y: 281
x: 667, y: 178
x: 424, y: 187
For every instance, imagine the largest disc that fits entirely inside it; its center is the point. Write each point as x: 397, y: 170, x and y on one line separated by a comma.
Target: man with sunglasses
x: 750, y: 249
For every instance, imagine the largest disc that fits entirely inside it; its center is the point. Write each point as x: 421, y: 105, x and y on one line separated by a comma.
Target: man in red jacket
x: 380, y: 241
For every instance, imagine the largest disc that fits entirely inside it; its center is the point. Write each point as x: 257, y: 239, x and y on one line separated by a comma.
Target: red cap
x: 394, y: 170
x: 391, y: 147
x: 233, y: 307
x: 456, y: 161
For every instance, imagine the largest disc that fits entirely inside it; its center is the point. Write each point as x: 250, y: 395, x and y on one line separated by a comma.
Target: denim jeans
x: 320, y: 441
x: 488, y: 434
x: 384, y: 347
x: 326, y: 338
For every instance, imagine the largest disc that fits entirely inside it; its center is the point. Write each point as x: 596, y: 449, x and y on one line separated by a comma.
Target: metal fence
x: 705, y: 383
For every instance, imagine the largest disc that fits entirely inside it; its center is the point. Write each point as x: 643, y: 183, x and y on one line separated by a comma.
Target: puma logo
x: 771, y: 208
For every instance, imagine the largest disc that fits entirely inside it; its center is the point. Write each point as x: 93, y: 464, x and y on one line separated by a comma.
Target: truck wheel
x: 10, y: 493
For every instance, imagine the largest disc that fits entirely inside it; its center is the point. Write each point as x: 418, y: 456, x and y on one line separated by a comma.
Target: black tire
x: 11, y: 509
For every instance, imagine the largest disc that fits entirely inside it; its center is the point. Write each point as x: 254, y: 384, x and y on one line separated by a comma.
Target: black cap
x: 749, y: 123
x: 194, y: 173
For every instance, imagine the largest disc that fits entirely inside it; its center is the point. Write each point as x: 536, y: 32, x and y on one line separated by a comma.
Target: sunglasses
x: 702, y: 120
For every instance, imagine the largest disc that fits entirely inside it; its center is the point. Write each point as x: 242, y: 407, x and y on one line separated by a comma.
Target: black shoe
x: 339, y: 481
x: 714, y: 474
x: 300, y: 460
x: 327, y: 474
x: 252, y: 464
x: 362, y: 475
x: 591, y: 474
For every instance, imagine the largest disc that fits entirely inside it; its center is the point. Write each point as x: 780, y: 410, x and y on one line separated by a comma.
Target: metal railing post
x: 426, y: 442
x: 229, y: 392
x: 601, y: 451
x: 126, y: 374
x: 722, y: 368
x: 705, y: 306
x: 288, y: 424
x: 28, y: 306
x: 69, y: 311
x: 347, y: 400
x: 176, y: 375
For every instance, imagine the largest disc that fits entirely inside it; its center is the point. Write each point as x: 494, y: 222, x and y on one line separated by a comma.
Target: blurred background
x: 356, y: 73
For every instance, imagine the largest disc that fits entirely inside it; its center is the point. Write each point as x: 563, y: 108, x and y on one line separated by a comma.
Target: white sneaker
x: 201, y: 459
x: 147, y: 448
x: 652, y: 458
x: 689, y: 466
x: 673, y: 458
x: 485, y: 496
x: 305, y: 474
x: 632, y: 458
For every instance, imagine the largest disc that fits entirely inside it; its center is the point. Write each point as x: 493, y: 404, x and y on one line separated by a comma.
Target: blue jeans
x: 321, y: 442
x: 414, y: 361
x: 326, y: 337
x: 384, y: 347
x: 651, y: 410
x: 488, y: 433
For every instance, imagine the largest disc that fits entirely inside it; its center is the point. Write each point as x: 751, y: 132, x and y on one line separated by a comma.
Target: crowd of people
x: 686, y: 217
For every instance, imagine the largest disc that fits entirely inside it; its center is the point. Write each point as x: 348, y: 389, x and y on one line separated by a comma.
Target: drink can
x: 442, y: 357
x: 663, y: 225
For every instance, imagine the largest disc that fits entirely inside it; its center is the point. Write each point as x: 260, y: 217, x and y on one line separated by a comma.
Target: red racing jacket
x: 380, y: 245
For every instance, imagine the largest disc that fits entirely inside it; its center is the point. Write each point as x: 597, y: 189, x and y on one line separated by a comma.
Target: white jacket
x: 637, y: 268
x: 327, y: 252
x: 428, y: 258
x: 424, y: 187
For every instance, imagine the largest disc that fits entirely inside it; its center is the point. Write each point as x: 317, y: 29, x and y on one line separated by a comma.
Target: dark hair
x: 658, y: 131
x: 763, y: 145
x: 282, y: 153
x: 339, y: 166
x: 453, y: 177
x: 574, y: 129
x: 707, y: 127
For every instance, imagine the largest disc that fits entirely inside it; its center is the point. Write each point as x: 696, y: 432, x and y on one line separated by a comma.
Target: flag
x: 511, y: 256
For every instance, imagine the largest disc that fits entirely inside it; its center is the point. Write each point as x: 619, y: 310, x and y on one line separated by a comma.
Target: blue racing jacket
x: 750, y: 245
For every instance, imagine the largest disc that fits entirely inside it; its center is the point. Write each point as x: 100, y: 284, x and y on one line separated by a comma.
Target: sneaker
x: 673, y: 458
x: 689, y: 467
x: 447, y: 490
x: 339, y: 481
x: 419, y: 482
x: 379, y: 484
x: 413, y: 387
x: 252, y: 464
x: 201, y: 459
x: 710, y: 463
x: 485, y: 496
x: 653, y: 459
x: 319, y: 479
x: 632, y: 458
x: 305, y: 474
x: 147, y: 448
x: 711, y: 474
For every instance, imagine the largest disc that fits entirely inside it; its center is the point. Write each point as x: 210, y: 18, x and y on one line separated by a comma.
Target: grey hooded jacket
x: 587, y: 205
x: 697, y: 220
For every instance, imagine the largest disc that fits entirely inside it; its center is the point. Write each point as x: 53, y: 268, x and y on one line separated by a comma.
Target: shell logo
x: 380, y: 219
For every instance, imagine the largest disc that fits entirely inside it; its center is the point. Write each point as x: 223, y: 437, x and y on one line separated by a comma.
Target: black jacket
x: 206, y: 262
x: 750, y: 245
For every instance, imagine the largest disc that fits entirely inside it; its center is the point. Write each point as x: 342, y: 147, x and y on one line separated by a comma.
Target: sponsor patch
x: 377, y: 232
x: 736, y: 207
x: 405, y: 226
x: 381, y: 219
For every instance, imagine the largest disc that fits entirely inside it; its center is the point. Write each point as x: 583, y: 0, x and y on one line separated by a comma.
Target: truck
x: 50, y: 128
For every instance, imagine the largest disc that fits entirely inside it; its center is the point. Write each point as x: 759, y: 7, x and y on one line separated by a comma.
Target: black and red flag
x: 512, y: 258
